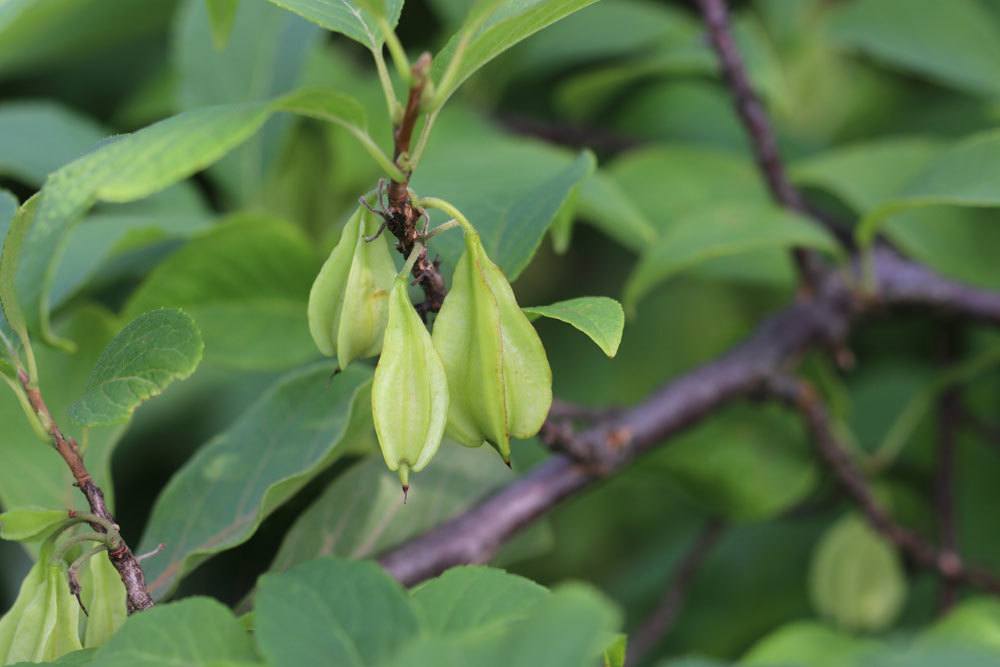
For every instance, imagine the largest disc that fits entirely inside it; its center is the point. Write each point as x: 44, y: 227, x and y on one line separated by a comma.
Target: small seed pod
x: 410, y: 390
x: 43, y: 624
x: 498, y: 373
x: 105, y: 597
x: 347, y: 304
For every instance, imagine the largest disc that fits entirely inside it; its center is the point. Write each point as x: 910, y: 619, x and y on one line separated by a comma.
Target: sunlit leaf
x: 217, y: 500
x: 154, y: 350
x: 601, y: 318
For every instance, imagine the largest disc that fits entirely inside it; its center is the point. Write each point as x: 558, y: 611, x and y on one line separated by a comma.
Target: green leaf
x: 856, y: 578
x: 124, y: 170
x: 344, y: 110
x: 973, y: 622
x: 864, y: 175
x: 721, y: 231
x: 154, y: 350
x: 584, y: 37
x: 569, y: 627
x: 27, y: 524
x: 264, y: 58
x: 220, y: 496
x: 362, y: 513
x: 332, y: 612
x: 812, y: 645
x: 745, y: 464
x: 197, y: 632
x: 962, y: 175
x: 246, y: 284
x: 10, y: 257
x: 667, y: 184
x: 961, y: 243
x: 491, y: 28
x: 35, y: 34
x: 510, y: 189
x: 32, y: 474
x: 603, y: 203
x: 956, y: 43
x: 130, y: 168
x: 615, y: 654
x: 38, y: 137
x: 357, y: 19
x: 601, y: 318
x: 221, y: 14
x: 470, y: 600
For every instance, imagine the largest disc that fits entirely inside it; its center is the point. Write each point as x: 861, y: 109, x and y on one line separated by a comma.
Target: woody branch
x: 758, y: 365
x: 122, y: 558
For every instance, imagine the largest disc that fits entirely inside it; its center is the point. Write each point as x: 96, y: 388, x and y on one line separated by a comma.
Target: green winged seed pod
x: 410, y: 390
x: 105, y: 597
x: 43, y: 624
x: 498, y: 374
x: 347, y: 304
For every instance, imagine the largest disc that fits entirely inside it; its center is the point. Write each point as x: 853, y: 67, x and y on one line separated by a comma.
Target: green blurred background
x: 633, y: 81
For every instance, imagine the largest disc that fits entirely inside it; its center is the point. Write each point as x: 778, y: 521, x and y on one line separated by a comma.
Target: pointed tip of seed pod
x: 506, y: 461
x: 404, y: 479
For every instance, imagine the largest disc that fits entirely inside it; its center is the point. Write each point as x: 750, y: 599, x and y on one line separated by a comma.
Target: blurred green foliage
x: 867, y: 97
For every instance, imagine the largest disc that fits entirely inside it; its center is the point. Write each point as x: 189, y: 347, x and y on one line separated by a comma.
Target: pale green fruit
x: 856, y: 578
x: 347, y: 304
x: 104, y: 594
x: 498, y: 373
x: 43, y: 623
x: 410, y: 390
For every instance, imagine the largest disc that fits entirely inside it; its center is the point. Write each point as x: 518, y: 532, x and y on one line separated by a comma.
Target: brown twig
x: 945, y: 562
x: 656, y: 626
x: 755, y: 121
x: 137, y: 596
x: 609, y: 445
x: 612, y: 443
x: 402, y: 217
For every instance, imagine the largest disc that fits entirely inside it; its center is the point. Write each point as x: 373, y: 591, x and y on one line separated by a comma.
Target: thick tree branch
x: 658, y: 624
x: 748, y: 106
x: 944, y: 561
x: 612, y: 443
x: 137, y: 596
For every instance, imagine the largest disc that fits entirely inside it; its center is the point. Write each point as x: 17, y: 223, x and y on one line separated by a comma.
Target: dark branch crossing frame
x: 823, y: 316
x: 828, y: 309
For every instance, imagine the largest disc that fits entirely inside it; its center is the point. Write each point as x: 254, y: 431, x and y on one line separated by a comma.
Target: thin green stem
x: 450, y: 209
x: 391, y: 169
x: 392, y: 103
x: 29, y: 412
x: 395, y: 50
x: 443, y: 227
x: 425, y: 135
x: 452, y: 70
x: 108, y: 540
x: 418, y: 247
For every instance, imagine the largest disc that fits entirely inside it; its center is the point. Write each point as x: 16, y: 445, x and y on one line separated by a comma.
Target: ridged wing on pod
x: 467, y: 336
x: 410, y: 390
x: 498, y: 373
x: 347, y: 303
x: 526, y: 371
x: 104, y: 594
x: 44, y: 622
